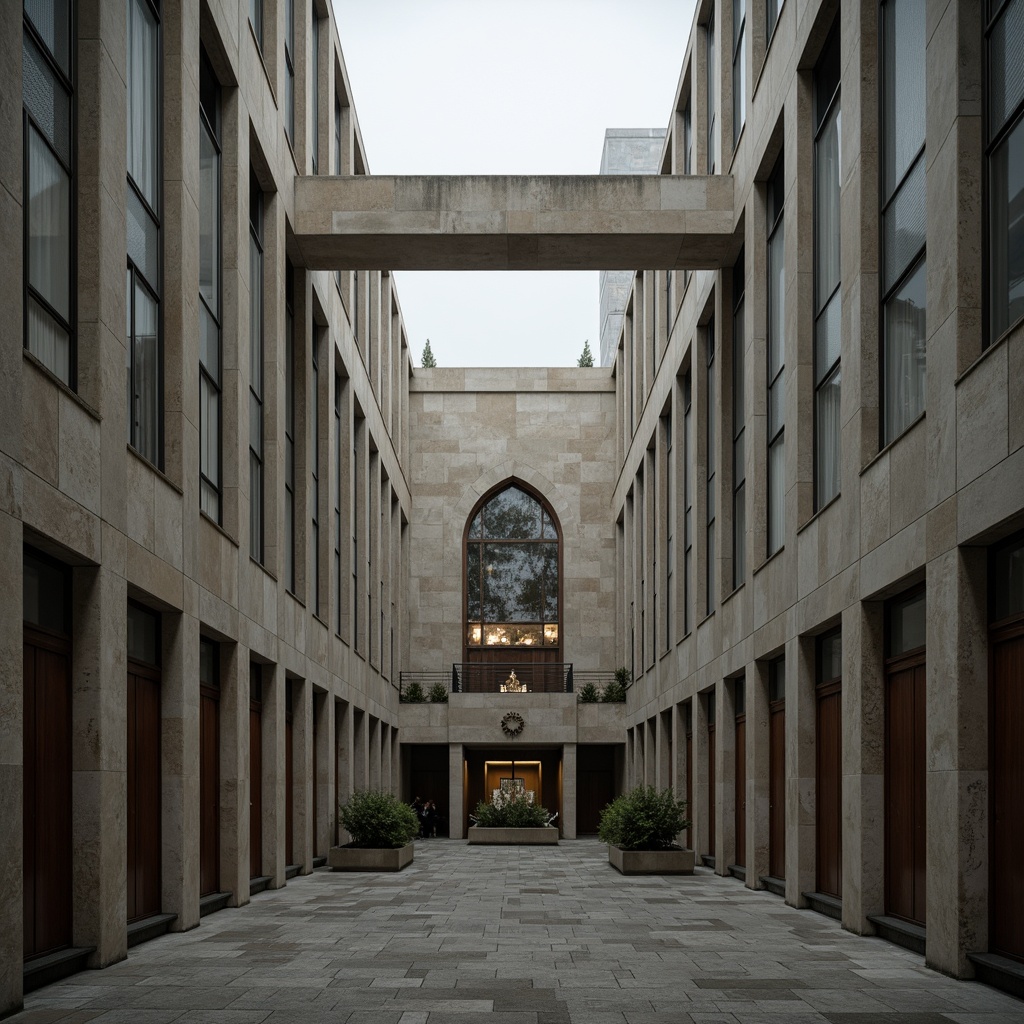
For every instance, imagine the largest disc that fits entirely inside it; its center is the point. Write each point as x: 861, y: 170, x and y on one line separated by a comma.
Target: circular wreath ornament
x: 512, y: 724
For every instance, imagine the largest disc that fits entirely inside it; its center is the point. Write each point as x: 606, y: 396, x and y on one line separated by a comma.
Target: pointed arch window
x: 512, y: 573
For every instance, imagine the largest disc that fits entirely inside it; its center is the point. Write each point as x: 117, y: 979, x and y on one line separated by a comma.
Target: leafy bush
x: 643, y: 819
x: 589, y: 694
x: 438, y: 694
x: 510, y: 810
x: 615, y: 691
x: 413, y: 694
x: 378, y: 820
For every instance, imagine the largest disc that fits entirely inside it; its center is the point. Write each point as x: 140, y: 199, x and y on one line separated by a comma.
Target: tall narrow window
x: 687, y: 139
x: 289, y: 70
x: 712, y: 463
x: 687, y: 503
x: 712, y: 92
x: 337, y: 161
x: 739, y: 463
x: 47, y: 62
x: 289, y: 426
x: 1004, y: 128
x: 903, y: 215
x: 209, y: 292
x: 827, y: 300
x: 314, y: 59
x: 739, y: 67
x: 668, y: 475
x: 773, y: 8
x: 256, y: 20
x: 255, y: 369
x: 314, y: 471
x: 142, y: 299
x: 776, y: 361
x: 357, y: 513
x: 337, y: 504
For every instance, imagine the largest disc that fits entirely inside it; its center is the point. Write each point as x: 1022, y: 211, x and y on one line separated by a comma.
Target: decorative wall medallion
x: 512, y: 724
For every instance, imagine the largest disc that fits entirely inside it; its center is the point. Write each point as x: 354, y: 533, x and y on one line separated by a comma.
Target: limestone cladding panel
x: 548, y: 717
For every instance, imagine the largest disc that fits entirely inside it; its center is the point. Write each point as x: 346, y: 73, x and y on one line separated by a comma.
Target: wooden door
x: 829, y: 799
x: 47, y: 793
x: 255, y: 788
x: 712, y: 838
x: 740, y: 818
x: 144, y: 785
x: 289, y: 794
x: 905, y: 773
x: 1006, y: 881
x: 209, y: 790
x: 777, y: 789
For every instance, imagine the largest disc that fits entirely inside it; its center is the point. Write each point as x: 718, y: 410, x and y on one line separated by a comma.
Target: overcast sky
x: 506, y: 87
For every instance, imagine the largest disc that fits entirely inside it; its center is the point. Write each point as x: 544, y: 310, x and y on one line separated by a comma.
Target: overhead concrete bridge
x: 527, y: 222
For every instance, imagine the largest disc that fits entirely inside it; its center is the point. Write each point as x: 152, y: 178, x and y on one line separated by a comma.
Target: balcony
x: 505, y: 677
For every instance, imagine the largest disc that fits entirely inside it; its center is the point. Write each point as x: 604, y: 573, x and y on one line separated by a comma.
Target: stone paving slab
x: 526, y: 935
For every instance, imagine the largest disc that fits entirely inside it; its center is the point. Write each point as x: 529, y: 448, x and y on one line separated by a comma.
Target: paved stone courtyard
x: 517, y: 936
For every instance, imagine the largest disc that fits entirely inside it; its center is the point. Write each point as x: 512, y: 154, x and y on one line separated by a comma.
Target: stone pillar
x: 456, y: 792
x: 234, y: 772
x: 385, y: 757
x: 273, y: 778
x: 99, y: 758
x: 302, y: 773
x: 758, y: 766
x: 677, y: 769
x: 396, y: 764
x: 376, y: 728
x: 360, y: 750
x: 957, y: 750
x: 863, y: 765
x: 568, y: 811
x: 179, y: 754
x: 725, y: 777
x: 702, y: 807
x: 323, y: 728
x: 800, y: 770
x: 343, y: 751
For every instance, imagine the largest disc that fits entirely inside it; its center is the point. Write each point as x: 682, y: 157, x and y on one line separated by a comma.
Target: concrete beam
x: 548, y: 222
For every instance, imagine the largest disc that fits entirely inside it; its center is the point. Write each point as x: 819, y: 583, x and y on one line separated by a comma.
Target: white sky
x: 506, y: 87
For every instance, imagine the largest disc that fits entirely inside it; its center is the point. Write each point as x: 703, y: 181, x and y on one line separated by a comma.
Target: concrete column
x: 234, y: 772
x: 725, y: 778
x: 323, y: 729
x: 385, y: 757
x: 677, y: 767
x: 273, y: 778
x: 702, y: 808
x: 456, y: 795
x: 863, y: 765
x: 99, y: 760
x: 396, y: 764
x: 12, y: 782
x: 652, y: 755
x: 343, y: 751
x: 360, y: 750
x: 757, y: 773
x: 302, y: 773
x: 957, y: 750
x: 376, y: 727
x: 800, y: 770
x: 179, y: 753
x: 568, y: 813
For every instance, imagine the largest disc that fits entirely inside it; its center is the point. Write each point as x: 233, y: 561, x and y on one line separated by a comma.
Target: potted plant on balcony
x: 640, y: 828
x: 382, y: 830
x: 512, y: 819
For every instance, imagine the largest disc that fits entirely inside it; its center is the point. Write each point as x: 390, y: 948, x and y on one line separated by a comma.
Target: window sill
x: 771, y: 558
x: 728, y: 597
x: 203, y: 517
x: 1002, y: 340
x: 892, y: 444
x: 263, y: 62
x: 35, y: 361
x: 824, y: 508
x: 262, y: 567
x: 154, y: 469
x: 710, y: 615
x: 295, y: 597
x: 767, y: 50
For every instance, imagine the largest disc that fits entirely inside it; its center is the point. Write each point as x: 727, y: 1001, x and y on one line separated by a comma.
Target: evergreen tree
x: 428, y: 361
x: 587, y: 358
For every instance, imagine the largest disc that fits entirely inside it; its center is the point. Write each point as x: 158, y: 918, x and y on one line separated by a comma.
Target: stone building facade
x: 239, y: 520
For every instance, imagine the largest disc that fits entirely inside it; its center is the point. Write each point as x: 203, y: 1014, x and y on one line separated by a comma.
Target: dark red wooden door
x: 209, y: 791
x: 829, y: 802
x: 47, y: 793
x: 712, y: 838
x: 905, y: 771
x: 144, y: 837
x: 289, y: 795
x: 740, y: 821
x: 255, y: 789
x: 1006, y: 884
x: 777, y: 789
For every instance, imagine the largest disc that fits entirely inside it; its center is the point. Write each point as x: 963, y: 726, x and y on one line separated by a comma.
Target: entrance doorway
x: 540, y: 768
x: 595, y: 785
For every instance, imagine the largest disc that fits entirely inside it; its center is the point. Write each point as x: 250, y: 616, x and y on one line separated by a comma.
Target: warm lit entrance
x: 540, y: 770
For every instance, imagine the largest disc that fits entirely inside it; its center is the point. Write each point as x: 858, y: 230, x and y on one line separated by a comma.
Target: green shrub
x: 643, y: 819
x: 589, y: 694
x: 615, y: 691
x: 510, y: 810
x: 438, y: 694
x: 413, y: 694
x: 378, y: 820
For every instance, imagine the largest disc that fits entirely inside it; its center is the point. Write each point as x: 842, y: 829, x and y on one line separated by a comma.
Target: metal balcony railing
x: 475, y: 677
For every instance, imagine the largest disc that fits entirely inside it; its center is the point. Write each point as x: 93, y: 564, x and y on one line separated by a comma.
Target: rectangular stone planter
x: 651, y: 862
x: 547, y: 836
x: 354, y: 858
